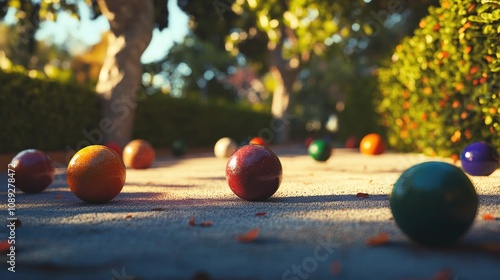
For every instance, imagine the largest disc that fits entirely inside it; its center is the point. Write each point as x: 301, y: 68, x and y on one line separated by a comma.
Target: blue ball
x: 479, y: 159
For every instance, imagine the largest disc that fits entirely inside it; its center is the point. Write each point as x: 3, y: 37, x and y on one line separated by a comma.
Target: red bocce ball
x: 33, y: 171
x: 115, y: 147
x: 254, y: 173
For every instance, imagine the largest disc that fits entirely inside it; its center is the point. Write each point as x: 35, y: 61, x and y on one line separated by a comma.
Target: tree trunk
x: 131, y: 29
x: 285, y: 77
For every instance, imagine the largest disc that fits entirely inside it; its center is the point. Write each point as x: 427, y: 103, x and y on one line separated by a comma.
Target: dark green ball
x: 320, y: 150
x: 179, y: 148
x: 434, y: 203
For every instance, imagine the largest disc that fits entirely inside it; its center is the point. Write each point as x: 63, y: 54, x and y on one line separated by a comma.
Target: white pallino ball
x: 225, y: 147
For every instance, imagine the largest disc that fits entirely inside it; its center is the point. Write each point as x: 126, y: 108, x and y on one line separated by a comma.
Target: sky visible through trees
x: 78, y: 35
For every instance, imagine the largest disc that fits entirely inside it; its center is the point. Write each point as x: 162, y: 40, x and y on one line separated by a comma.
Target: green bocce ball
x: 179, y: 148
x: 320, y: 150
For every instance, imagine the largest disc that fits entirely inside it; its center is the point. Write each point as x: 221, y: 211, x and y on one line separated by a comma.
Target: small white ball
x: 225, y: 147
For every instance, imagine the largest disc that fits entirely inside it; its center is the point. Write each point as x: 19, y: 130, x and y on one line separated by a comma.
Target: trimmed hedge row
x: 441, y: 90
x: 48, y: 115
x: 162, y: 120
x: 43, y: 114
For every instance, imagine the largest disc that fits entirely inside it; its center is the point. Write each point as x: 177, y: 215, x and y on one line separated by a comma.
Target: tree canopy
x: 36, y: 11
x: 29, y: 15
x: 282, y: 37
x: 306, y: 27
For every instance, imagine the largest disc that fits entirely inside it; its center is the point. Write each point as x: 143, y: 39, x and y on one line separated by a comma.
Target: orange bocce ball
x: 138, y: 154
x: 96, y: 174
x: 372, y: 144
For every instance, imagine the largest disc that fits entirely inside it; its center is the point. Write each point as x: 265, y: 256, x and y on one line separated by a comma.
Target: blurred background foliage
x: 347, y: 68
x: 283, y: 39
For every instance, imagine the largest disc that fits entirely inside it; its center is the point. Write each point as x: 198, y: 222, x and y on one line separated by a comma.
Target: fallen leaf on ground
x: 202, y: 224
x: 260, y: 214
x: 4, y: 246
x: 363, y: 195
x: 370, y: 181
x: 443, y: 274
x: 58, y: 196
x: 336, y: 268
x: 206, y: 224
x: 128, y: 216
x: 488, y: 217
x: 378, y: 240
x: 250, y: 236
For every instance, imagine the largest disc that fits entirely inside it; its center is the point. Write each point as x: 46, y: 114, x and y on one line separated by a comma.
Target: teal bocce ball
x: 434, y: 203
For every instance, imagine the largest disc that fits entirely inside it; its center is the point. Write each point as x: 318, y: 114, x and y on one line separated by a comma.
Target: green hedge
x: 441, y: 89
x: 48, y: 115
x: 162, y: 120
x: 43, y: 114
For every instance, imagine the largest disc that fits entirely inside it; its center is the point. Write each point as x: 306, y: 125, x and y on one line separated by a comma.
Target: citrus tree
x: 441, y: 89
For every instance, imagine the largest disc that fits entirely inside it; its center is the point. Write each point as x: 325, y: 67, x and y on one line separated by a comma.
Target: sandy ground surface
x: 314, y: 227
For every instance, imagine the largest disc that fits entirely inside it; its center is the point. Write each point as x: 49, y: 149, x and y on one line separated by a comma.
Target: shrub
x: 162, y: 120
x: 43, y: 114
x: 441, y: 90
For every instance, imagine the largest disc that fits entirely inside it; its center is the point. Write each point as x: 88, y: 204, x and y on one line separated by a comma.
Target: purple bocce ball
x: 479, y: 159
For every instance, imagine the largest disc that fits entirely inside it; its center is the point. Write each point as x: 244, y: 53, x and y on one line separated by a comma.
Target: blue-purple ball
x: 479, y: 159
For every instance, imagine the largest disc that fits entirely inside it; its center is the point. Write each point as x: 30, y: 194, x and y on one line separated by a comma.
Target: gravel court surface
x: 314, y: 227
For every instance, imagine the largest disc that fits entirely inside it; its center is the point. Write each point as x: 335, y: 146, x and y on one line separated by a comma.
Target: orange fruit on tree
x: 138, y: 154
x: 96, y: 174
x: 372, y: 144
